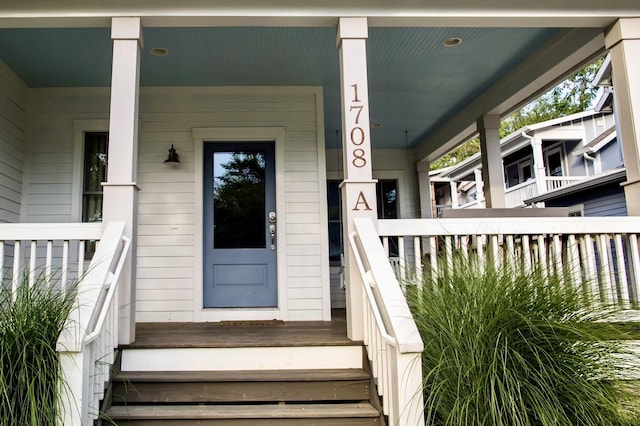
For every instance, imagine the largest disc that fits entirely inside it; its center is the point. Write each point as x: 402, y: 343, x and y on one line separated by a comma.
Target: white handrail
x: 113, y: 280
x: 393, y: 343
x: 90, y: 336
x: 368, y: 281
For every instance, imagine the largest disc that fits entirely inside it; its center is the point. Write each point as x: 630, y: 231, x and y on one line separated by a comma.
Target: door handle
x: 272, y: 231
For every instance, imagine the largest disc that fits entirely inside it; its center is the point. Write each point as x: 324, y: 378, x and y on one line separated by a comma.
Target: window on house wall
x: 518, y: 172
x: 553, y: 159
x: 94, y: 172
x: 387, y: 202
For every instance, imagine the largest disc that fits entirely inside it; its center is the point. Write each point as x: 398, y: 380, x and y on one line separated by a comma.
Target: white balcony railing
x: 557, y: 182
x: 391, y: 336
x: 602, y: 253
x: 55, y: 252
x: 515, y: 195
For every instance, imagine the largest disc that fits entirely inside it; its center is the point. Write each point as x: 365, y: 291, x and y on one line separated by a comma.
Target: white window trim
x: 559, y: 148
x: 80, y: 128
x: 577, y: 208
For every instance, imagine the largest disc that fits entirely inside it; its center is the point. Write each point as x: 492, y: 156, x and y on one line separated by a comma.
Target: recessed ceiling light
x: 453, y: 41
x: 159, y: 51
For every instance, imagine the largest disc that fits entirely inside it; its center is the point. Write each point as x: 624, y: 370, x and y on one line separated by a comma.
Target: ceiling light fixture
x: 453, y: 41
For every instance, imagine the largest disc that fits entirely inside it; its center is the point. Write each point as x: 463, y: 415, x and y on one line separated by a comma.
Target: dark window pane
x: 387, y: 199
x: 239, y: 200
x: 335, y: 225
x: 94, y: 172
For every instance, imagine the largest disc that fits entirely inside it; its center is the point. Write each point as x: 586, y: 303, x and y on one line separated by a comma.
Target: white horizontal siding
x: 48, y: 193
x: 166, y: 201
x: 166, y: 226
x: 13, y: 129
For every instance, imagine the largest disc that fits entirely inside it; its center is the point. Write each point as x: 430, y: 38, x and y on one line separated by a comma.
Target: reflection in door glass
x: 238, y: 200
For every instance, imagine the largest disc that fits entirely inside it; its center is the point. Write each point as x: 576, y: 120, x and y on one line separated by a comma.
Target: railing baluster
x: 1, y: 261
x: 65, y: 265
x: 590, y: 269
x: 49, y: 258
x: 417, y: 254
x: 448, y: 250
x: 510, y: 255
x: 526, y: 253
x: 574, y: 261
x: 557, y: 255
x: 32, y: 263
x: 403, y: 258
x: 542, y: 254
x: 635, y: 268
x: 80, y: 259
x: 15, y: 282
x: 433, y: 257
x: 494, y: 251
x: 623, y: 284
x: 605, y: 265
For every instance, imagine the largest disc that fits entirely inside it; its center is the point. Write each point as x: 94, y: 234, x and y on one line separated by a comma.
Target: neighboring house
x: 546, y: 161
x: 271, y: 108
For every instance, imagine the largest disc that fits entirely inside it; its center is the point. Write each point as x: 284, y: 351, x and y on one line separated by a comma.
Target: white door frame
x: 201, y: 135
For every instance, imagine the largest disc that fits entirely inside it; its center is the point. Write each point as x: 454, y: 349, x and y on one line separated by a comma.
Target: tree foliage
x: 573, y: 95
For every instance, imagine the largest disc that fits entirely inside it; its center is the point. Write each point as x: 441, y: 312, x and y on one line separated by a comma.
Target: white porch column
x: 539, y: 171
x: 120, y: 190
x: 358, y: 187
x: 623, y: 41
x: 453, y: 185
x: 425, y: 188
x: 477, y: 175
x: 492, y: 173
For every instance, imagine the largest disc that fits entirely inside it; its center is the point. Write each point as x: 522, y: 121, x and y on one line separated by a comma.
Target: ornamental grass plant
x: 31, y: 377
x: 515, y: 348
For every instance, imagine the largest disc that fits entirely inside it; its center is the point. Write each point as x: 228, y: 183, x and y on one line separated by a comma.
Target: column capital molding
x: 126, y: 29
x: 488, y: 121
x: 352, y: 28
x: 623, y: 29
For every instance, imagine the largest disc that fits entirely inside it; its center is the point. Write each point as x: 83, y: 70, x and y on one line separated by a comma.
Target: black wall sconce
x: 173, y: 156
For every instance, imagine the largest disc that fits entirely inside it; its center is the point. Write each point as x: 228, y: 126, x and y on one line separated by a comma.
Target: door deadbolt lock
x: 272, y: 217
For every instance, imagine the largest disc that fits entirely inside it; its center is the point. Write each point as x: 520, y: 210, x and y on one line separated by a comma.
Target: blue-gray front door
x: 239, y: 225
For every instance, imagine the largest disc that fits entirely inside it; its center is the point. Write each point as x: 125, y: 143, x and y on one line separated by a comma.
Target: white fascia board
x: 439, y: 13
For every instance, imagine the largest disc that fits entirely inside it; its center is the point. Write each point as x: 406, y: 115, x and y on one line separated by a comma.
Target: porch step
x: 266, y: 386
x: 268, y: 415
x: 289, y: 397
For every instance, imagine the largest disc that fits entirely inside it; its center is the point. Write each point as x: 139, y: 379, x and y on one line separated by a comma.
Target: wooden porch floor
x: 233, y: 334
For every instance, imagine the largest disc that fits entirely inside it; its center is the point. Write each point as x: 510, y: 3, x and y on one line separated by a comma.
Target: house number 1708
x: 356, y: 134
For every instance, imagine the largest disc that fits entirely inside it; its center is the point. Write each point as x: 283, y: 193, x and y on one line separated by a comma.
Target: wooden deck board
x: 215, y: 335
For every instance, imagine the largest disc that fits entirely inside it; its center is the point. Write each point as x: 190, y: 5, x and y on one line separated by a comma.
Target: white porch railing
x: 557, y: 182
x: 88, y: 341
x: 515, y: 195
x: 56, y: 252
x: 601, y: 252
x: 392, y: 339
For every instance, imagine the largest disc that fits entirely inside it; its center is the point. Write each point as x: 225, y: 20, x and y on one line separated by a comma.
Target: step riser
x: 256, y: 422
x: 240, y: 359
x: 135, y: 393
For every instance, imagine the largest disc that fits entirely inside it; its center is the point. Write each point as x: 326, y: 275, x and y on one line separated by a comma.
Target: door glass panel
x: 239, y: 200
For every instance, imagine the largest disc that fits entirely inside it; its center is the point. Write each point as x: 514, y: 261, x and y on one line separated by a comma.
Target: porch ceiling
x: 415, y: 83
